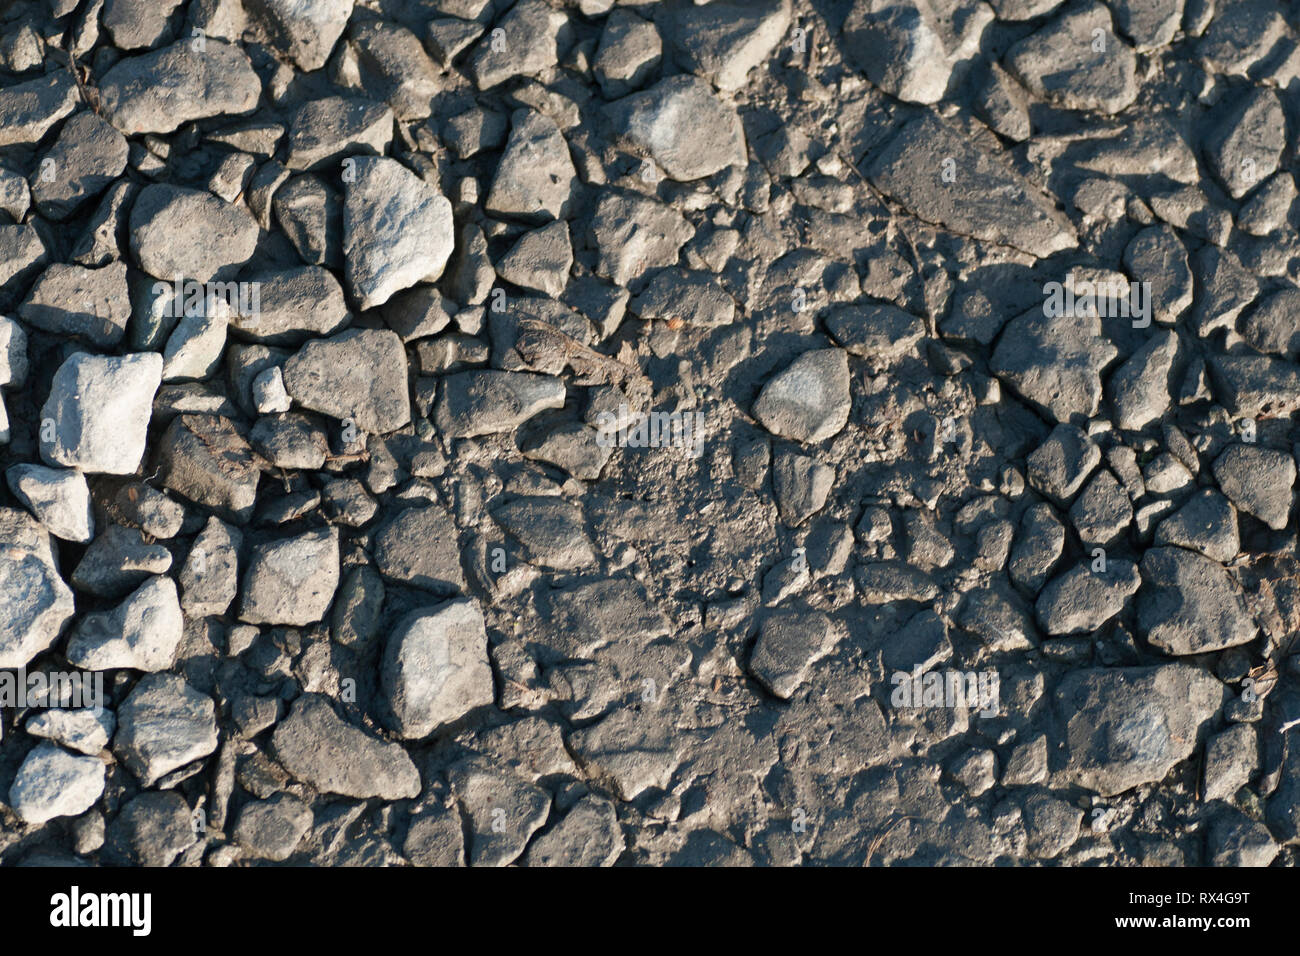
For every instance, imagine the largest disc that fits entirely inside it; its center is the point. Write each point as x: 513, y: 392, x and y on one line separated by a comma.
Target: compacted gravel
x: 580, y: 432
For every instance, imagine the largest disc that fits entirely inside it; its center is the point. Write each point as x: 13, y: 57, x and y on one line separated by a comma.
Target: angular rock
x: 305, y: 29
x: 683, y: 126
x: 397, y: 230
x: 788, y: 645
x: 1128, y: 726
x: 916, y: 50
x: 88, y: 155
x: 92, y: 304
x: 190, y: 234
x: 29, y: 110
x: 161, y: 91
x: 435, y: 668
x: 535, y: 178
x: 809, y: 400
x: 204, y: 459
x: 58, y: 497
x: 1190, y: 605
x: 332, y: 756
x: 491, y: 402
x: 420, y: 547
x: 100, y: 407
x: 1077, y: 62
x: 163, y: 725
x: 291, y: 581
x: 1258, y: 481
x: 1081, y: 600
x: 142, y: 633
x: 357, y: 376
x: 54, y: 783
x: 986, y: 199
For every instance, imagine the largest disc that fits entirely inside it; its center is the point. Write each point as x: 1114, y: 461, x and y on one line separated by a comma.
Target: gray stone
x: 503, y: 810
x: 540, y: 260
x: 54, y: 783
x: 1038, y: 547
x: 293, y: 305
x: 1142, y: 388
x: 550, y: 530
x: 14, y: 364
x: 92, y: 304
x: 683, y: 126
x: 491, y: 402
x: 420, y: 547
x: 139, y: 24
x: 528, y: 44
x: 29, y: 110
x: 435, y: 668
x: 321, y: 750
x: 789, y: 643
x: 1081, y: 600
x: 397, y: 66
x: 1190, y: 605
x: 535, y: 178
x: 397, y: 230
x: 1070, y: 64
x: 1102, y: 512
x: 118, y: 561
x: 630, y: 50
x: 272, y: 829
x: 204, y: 459
x: 1235, y: 840
x: 324, y: 131
x: 1207, y: 523
x: 100, y: 406
x: 152, y: 830
x: 1157, y: 255
x: 142, y: 633
x: 589, y: 835
x: 1130, y: 725
x: 1148, y: 23
x: 88, y: 155
x: 1054, y: 363
x: 210, y: 577
x: 357, y: 376
x: 163, y: 725
x: 1231, y: 759
x: 191, y: 234
x: 723, y: 41
x: 161, y: 91
x: 633, y: 752
x: 1267, y: 210
x: 986, y: 199
x: 1271, y: 325
x: 1258, y: 481
x: 633, y: 234
x: 87, y: 731
x: 1246, y: 148
x: 293, y: 580
x: 801, y: 485
x: 305, y: 29
x: 914, y: 51
x: 58, y: 497
x: 1062, y: 463
x: 879, y: 334
x: 809, y: 400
